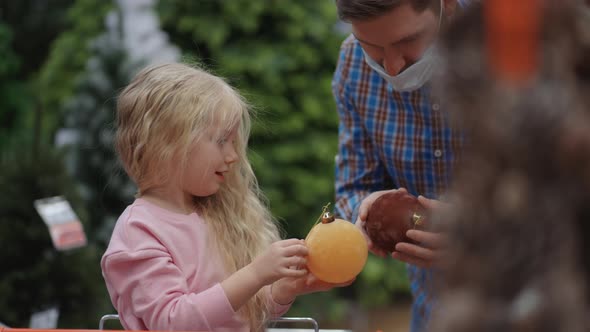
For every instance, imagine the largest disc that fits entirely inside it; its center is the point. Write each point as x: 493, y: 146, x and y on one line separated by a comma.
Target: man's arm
x: 359, y: 170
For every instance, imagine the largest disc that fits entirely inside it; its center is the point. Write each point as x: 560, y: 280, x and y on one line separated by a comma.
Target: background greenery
x: 55, y: 72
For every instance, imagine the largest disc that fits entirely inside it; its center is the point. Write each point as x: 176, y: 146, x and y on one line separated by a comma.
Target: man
x: 391, y: 134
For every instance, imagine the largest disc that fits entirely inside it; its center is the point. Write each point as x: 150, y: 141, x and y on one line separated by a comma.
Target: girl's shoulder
x: 143, y: 222
x: 145, y: 212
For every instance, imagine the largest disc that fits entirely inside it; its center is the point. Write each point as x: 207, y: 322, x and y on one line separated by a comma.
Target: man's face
x: 397, y: 39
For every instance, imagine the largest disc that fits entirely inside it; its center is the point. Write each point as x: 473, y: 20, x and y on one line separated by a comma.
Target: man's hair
x: 368, y: 9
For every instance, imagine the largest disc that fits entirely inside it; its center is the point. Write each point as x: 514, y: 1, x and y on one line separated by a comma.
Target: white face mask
x: 416, y: 75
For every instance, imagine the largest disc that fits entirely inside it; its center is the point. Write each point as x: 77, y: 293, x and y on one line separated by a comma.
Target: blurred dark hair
x: 368, y: 9
x: 519, y: 227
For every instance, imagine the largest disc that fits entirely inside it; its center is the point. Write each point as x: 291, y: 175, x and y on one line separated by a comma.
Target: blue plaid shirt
x: 389, y: 139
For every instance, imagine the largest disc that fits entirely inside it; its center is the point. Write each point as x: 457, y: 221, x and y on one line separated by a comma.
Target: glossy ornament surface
x: 390, y: 217
x: 337, y: 250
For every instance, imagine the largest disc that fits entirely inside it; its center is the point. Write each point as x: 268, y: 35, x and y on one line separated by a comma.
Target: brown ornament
x: 391, y: 216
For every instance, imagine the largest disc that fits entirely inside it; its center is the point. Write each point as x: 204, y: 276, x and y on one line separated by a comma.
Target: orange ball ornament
x: 337, y: 250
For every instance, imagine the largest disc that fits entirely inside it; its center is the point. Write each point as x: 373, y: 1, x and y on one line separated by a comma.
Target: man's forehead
x: 399, y: 23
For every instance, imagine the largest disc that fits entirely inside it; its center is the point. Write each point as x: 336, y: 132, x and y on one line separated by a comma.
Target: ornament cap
x: 327, y: 217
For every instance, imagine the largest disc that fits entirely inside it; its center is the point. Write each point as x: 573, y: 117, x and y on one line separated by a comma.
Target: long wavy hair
x: 161, y: 113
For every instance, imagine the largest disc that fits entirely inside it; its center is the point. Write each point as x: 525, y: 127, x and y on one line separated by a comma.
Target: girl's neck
x: 172, y: 201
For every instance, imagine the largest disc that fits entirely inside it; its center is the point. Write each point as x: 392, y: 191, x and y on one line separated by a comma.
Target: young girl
x: 197, y: 250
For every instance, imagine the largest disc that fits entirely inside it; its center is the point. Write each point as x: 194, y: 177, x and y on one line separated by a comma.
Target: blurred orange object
x: 513, y: 38
x: 337, y: 250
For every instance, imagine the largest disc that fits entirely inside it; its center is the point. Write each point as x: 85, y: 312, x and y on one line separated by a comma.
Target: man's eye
x: 410, y: 40
x: 372, y: 47
x: 222, y: 141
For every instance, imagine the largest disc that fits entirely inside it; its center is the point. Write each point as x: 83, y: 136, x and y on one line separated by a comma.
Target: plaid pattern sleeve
x: 359, y: 170
x: 389, y: 139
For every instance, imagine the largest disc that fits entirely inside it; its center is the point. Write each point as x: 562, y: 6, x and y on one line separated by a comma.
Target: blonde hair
x: 160, y: 114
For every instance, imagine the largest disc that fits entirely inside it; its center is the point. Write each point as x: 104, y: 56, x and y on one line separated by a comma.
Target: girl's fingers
x: 314, y: 283
x: 295, y: 261
x: 295, y: 250
x: 311, y: 279
x: 293, y: 273
x: 289, y: 242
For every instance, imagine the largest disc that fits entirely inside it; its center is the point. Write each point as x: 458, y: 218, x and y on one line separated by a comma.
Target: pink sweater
x: 161, y: 275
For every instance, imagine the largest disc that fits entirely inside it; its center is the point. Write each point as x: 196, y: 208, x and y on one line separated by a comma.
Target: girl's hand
x: 431, y: 246
x: 364, y: 212
x: 285, y: 290
x: 279, y: 261
x: 311, y: 284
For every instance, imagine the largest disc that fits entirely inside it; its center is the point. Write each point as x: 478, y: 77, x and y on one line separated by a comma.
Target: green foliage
x: 90, y: 113
x: 32, y: 26
x: 382, y: 282
x: 68, y: 57
x: 10, y: 62
x: 35, y: 24
x: 14, y: 95
x: 326, y: 308
x: 282, y: 55
x: 34, y: 276
x: 43, y: 277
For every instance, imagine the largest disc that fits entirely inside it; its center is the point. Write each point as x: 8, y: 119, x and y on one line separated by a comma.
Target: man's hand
x: 362, y: 217
x: 430, y: 248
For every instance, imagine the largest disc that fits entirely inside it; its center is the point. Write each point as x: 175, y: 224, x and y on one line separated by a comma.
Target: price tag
x: 46, y: 319
x: 64, y: 225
